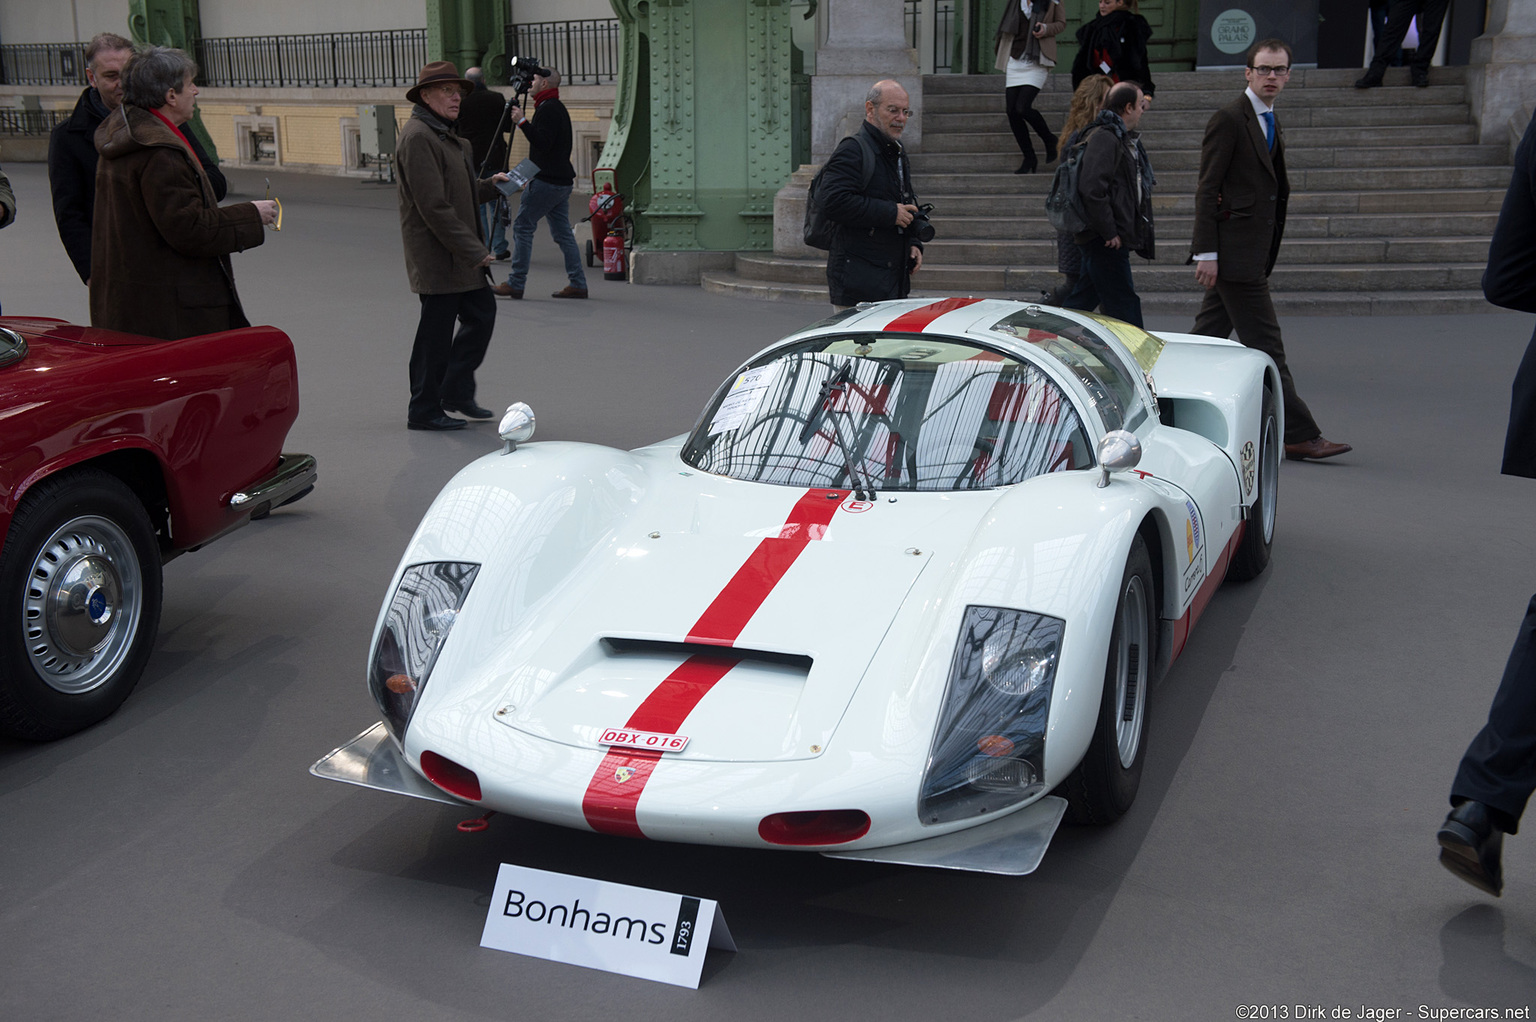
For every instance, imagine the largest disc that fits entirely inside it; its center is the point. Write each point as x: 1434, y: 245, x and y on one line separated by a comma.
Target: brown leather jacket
x: 160, y: 243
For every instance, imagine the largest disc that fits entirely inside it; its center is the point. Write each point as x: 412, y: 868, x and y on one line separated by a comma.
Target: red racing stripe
x: 613, y: 794
x: 915, y: 321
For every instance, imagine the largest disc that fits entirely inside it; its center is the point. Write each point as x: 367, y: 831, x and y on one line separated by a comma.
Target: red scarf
x: 543, y: 97
x: 166, y: 121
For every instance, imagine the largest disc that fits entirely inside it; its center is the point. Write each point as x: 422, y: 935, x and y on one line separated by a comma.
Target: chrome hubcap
x: 1269, y: 480
x: 1131, y: 671
x: 81, y: 609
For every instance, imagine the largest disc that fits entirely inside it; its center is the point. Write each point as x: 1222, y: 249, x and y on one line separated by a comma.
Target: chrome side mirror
x: 516, y: 426
x: 1118, y: 451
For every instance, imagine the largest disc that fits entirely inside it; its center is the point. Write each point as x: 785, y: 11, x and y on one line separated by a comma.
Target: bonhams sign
x: 614, y: 927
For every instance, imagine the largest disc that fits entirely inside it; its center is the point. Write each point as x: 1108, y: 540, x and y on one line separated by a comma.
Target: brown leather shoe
x: 505, y: 291
x: 570, y: 292
x: 1315, y: 449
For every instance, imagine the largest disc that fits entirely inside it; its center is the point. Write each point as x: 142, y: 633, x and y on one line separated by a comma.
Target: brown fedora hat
x: 439, y: 72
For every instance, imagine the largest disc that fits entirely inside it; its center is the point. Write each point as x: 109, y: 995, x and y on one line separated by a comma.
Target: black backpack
x: 820, y: 229
x: 1063, y: 206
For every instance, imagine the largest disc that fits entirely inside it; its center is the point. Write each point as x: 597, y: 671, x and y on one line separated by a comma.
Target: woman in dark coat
x: 160, y: 243
x: 1114, y: 44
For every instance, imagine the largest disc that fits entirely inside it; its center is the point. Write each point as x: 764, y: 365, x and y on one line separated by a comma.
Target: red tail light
x: 820, y: 827
x: 452, y: 778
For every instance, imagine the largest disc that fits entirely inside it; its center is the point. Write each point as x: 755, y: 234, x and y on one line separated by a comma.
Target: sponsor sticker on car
x: 628, y: 738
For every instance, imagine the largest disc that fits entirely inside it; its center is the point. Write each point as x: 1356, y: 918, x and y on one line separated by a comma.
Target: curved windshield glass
x: 889, y: 413
x: 1093, y: 360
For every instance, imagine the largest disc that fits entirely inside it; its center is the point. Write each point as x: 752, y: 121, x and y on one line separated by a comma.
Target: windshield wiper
x: 842, y: 378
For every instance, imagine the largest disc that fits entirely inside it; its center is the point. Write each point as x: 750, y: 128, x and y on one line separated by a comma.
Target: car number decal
x: 614, y: 792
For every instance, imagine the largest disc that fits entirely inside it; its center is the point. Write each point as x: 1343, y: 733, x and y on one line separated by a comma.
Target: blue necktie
x: 1269, y: 128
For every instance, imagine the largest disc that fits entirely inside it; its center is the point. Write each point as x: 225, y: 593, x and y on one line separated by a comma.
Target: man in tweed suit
x: 1240, y: 206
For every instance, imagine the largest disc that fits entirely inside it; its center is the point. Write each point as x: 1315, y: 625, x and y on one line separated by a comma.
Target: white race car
x: 900, y: 595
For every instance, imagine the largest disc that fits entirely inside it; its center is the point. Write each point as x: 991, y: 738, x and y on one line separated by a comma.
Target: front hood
x: 793, y: 641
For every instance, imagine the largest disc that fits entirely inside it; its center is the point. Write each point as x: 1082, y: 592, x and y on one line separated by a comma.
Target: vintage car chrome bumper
x: 294, y: 476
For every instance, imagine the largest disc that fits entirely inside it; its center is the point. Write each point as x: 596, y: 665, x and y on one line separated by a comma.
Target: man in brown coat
x: 445, y: 256
x: 160, y: 242
x: 1240, y: 203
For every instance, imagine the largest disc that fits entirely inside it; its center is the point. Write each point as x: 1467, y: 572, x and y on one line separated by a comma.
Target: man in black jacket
x: 482, y: 120
x: 548, y: 195
x: 1498, y: 772
x: 72, y: 148
x: 876, y: 250
x: 1114, y: 186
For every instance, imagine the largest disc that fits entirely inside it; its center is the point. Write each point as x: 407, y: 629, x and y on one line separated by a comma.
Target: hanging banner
x: 1229, y: 27
x: 613, y: 927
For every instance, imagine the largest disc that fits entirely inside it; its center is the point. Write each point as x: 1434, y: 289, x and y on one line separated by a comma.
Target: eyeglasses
x: 894, y: 110
x: 1265, y: 71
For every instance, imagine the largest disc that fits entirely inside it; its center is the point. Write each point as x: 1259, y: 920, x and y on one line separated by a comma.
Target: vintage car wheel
x: 1104, y: 784
x: 1252, y: 555
x: 80, y: 592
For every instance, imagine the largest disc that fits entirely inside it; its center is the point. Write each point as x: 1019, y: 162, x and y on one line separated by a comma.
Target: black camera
x: 521, y: 71
x: 922, y: 227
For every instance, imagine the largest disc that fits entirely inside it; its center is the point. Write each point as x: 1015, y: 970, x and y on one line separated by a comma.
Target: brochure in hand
x: 520, y: 175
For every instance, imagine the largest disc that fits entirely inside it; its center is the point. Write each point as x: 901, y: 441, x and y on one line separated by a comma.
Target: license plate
x: 629, y: 739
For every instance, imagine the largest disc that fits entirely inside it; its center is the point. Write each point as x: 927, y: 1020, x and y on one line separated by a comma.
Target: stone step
x: 1168, y: 274
x: 1024, y: 224
x: 1158, y: 138
x: 1040, y: 249
x: 998, y: 154
x: 1295, y: 303
x: 947, y: 107
x: 1195, y: 81
x: 1028, y: 198
x: 937, y: 128
x: 1393, y: 179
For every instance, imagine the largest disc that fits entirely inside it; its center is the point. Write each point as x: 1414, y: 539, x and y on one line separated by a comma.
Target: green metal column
x: 175, y: 23
x: 466, y: 32
x: 702, y: 130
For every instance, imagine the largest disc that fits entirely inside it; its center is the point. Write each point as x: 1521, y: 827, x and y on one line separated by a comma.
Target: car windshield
x: 1103, y: 370
x: 889, y: 413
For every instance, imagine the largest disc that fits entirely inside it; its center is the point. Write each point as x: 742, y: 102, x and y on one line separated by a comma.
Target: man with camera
x: 866, y: 189
x: 548, y: 196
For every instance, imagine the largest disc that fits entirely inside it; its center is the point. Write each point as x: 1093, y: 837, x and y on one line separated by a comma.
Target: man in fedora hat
x: 445, y: 255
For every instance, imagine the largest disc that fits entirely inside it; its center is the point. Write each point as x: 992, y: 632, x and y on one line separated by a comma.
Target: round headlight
x: 1016, y: 671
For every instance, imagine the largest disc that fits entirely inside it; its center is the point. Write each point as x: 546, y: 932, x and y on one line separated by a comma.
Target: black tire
x: 1104, y: 784
x: 80, y: 594
x: 590, y: 252
x: 1252, y: 555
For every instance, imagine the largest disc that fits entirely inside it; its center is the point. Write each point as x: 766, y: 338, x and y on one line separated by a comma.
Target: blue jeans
x: 1106, y: 282
x: 493, y: 228
x: 544, y: 201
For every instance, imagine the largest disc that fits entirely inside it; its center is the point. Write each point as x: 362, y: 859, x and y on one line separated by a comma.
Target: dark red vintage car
x: 118, y: 453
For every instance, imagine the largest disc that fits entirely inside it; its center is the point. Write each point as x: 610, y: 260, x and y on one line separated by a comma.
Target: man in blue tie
x: 1240, y: 206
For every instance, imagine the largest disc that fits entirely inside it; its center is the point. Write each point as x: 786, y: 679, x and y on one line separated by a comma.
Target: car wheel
x: 79, y: 604
x: 1104, y: 784
x: 590, y: 252
x: 1252, y: 555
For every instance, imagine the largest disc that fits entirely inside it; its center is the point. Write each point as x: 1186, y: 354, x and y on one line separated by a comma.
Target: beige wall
x: 299, y: 17
x: 55, y: 21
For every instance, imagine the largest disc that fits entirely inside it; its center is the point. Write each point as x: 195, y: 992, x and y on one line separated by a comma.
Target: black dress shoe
x: 442, y: 422
x: 468, y: 409
x: 1370, y: 80
x: 1470, y: 847
x: 1419, y: 78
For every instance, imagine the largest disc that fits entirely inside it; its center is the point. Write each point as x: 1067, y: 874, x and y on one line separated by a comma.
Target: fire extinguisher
x: 614, y: 267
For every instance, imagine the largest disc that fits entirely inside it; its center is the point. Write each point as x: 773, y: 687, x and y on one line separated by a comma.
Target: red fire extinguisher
x: 614, y: 267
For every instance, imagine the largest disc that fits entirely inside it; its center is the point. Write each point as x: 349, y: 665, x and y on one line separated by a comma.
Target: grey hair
x: 105, y: 42
x: 154, y: 71
x: 873, y: 95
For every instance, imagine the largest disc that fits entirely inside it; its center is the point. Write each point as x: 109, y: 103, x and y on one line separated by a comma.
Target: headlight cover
x: 423, y: 609
x: 989, y: 750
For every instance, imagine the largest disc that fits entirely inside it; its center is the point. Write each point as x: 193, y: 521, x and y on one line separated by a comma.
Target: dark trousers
x: 443, y: 362
x: 1106, y: 283
x: 1399, y: 13
x: 1022, y: 116
x: 1499, y: 768
x: 1248, y: 307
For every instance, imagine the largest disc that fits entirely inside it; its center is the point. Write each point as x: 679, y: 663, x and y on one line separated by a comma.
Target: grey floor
x: 178, y: 861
